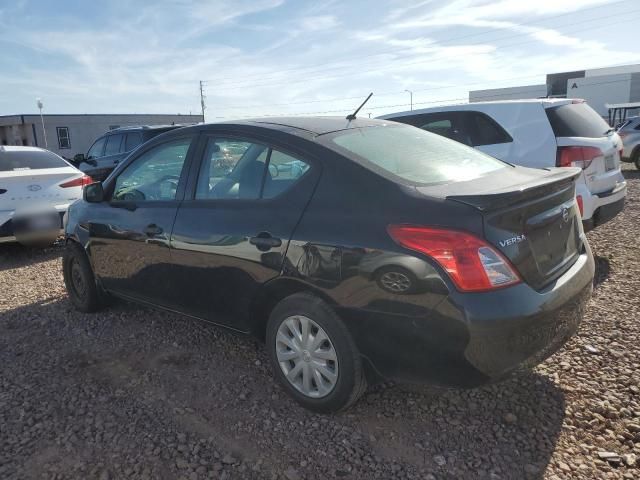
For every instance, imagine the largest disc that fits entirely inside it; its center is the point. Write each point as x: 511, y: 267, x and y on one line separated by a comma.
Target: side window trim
x: 184, y: 173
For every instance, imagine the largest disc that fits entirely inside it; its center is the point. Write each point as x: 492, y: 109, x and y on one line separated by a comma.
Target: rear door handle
x: 264, y: 241
x: 152, y: 230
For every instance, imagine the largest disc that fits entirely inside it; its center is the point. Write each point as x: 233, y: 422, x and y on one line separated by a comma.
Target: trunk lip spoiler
x: 492, y: 200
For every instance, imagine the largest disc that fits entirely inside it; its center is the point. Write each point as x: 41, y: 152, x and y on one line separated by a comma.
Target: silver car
x: 629, y: 132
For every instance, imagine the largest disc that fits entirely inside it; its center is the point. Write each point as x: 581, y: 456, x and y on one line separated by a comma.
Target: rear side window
x: 576, y: 120
x: 30, y: 160
x: 132, y: 140
x: 413, y: 155
x: 446, y: 124
x: 484, y: 130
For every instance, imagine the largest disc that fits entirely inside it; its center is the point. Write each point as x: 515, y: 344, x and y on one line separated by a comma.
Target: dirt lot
x: 136, y: 393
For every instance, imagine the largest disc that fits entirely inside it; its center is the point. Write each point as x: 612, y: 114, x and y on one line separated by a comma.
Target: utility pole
x: 202, y: 97
x: 39, y: 104
x: 410, y: 98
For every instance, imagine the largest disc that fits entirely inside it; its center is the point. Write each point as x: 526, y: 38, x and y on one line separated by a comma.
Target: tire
x: 396, y: 280
x: 349, y: 382
x: 636, y: 158
x: 79, y: 279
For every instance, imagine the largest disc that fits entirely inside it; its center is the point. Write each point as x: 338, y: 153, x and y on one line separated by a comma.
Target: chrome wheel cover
x: 306, y: 356
x: 396, y: 282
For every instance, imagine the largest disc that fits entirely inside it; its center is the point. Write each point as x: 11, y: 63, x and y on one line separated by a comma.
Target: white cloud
x: 319, y: 22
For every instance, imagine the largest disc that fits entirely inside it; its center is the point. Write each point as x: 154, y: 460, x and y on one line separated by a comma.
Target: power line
x: 433, y: 102
x: 449, y: 39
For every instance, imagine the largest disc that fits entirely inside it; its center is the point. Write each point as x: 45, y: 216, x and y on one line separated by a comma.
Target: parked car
x: 539, y: 133
x: 114, y: 146
x: 629, y: 132
x: 502, y: 267
x: 36, y: 188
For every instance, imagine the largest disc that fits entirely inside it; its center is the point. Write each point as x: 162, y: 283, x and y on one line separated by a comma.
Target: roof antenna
x: 353, y: 115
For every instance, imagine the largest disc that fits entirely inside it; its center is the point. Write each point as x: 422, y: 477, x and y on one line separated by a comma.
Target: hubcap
x: 395, y: 282
x: 77, y: 279
x: 307, y: 356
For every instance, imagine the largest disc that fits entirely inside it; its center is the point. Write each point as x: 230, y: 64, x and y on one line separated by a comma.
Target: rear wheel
x: 79, y: 279
x: 313, y: 355
x: 636, y: 158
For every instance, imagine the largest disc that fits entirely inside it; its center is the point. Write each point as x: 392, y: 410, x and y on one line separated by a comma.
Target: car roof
x: 147, y: 127
x: 545, y: 102
x: 19, y: 148
x: 313, y: 125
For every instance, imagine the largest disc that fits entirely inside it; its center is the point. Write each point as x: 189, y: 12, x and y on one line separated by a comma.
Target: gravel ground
x: 136, y: 393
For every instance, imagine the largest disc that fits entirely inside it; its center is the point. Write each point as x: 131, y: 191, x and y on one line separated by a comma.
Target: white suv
x: 539, y: 133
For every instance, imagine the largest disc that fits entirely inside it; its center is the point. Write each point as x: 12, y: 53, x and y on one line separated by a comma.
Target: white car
x: 539, y: 133
x: 36, y: 188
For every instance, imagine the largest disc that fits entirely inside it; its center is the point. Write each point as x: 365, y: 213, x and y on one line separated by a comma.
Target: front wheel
x: 313, y: 355
x: 79, y: 279
x: 636, y: 158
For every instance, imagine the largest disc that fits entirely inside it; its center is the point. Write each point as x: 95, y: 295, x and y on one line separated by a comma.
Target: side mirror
x: 78, y: 158
x: 93, y: 193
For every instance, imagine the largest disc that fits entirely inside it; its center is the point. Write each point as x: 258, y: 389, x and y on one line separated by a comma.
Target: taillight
x: 472, y: 264
x: 78, y: 182
x: 580, y: 157
x: 580, y: 207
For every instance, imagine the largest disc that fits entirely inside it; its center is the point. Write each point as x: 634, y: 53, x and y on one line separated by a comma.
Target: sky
x: 294, y: 57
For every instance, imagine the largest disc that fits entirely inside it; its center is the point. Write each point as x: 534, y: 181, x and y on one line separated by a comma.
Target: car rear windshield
x: 576, y: 120
x: 29, y: 160
x: 414, y: 155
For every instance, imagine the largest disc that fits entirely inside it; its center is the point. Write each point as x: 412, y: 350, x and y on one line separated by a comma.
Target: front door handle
x: 152, y: 230
x: 264, y: 241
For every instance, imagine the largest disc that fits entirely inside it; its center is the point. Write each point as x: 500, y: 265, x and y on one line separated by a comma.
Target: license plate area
x: 609, y: 163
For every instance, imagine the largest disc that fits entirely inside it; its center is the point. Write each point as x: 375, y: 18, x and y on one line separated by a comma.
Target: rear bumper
x: 476, y: 338
x: 606, y: 205
x: 7, y: 229
x: 593, y: 202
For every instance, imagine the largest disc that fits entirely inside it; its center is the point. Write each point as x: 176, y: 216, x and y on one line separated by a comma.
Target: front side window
x: 64, y: 141
x: 154, y: 175
x: 96, y: 149
x: 411, y: 154
x: 113, y: 144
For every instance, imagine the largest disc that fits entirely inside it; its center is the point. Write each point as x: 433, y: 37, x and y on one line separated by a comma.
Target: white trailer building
x: 69, y: 134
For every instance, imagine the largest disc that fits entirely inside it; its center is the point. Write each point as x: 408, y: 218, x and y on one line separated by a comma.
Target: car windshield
x: 29, y: 160
x: 414, y: 155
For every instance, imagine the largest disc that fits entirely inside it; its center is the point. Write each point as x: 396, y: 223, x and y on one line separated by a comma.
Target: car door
x: 129, y: 233
x: 114, y: 151
x: 486, y: 134
x: 232, y: 230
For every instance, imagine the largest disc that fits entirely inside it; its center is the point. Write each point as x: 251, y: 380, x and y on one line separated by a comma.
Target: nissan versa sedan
x: 358, y: 250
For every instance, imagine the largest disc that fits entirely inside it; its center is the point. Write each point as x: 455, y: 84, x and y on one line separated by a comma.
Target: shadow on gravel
x: 631, y: 174
x: 211, y: 384
x: 14, y: 255
x: 603, y: 270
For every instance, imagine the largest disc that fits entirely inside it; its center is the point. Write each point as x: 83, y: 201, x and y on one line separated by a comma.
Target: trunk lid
x: 31, y: 187
x: 529, y: 215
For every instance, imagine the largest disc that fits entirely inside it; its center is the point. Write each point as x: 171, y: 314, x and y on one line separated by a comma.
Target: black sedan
x: 358, y: 250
